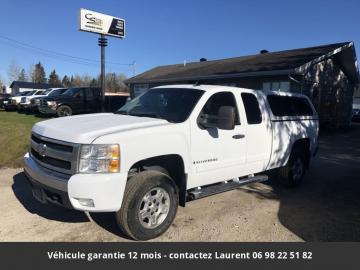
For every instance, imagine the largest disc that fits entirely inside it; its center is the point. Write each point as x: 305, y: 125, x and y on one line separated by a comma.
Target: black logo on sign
x: 93, y: 20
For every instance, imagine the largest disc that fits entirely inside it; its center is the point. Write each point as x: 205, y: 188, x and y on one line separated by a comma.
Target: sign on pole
x: 91, y: 21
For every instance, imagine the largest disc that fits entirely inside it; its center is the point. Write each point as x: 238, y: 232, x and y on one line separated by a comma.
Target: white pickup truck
x: 168, y: 146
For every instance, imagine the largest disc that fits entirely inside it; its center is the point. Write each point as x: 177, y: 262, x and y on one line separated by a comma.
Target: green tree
x: 22, y: 76
x: 54, y: 78
x: 66, y: 81
x: 94, y: 83
x: 39, y: 74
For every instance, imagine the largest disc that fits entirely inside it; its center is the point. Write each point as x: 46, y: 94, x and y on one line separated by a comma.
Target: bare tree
x: 13, y: 71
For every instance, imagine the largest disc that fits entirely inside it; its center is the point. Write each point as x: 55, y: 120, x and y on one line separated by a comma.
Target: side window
x: 80, y: 91
x: 88, y: 92
x: 302, y: 106
x: 252, y: 108
x: 212, y: 106
x: 289, y: 106
x: 96, y: 92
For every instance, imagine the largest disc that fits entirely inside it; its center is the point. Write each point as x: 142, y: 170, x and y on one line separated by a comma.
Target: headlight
x: 51, y: 104
x: 99, y: 158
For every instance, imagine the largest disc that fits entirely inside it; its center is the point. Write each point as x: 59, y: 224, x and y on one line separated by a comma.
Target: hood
x: 86, y: 128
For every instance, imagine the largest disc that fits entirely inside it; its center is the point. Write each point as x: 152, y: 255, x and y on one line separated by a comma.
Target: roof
x: 272, y: 63
x: 31, y: 85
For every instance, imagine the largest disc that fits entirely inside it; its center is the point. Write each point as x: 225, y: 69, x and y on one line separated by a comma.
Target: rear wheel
x: 293, y: 173
x: 64, y: 110
x: 149, y: 205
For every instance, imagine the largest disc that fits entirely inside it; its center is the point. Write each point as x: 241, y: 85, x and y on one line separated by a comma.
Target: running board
x: 202, y: 192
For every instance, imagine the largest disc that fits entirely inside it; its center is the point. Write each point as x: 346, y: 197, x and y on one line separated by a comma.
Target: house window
x: 140, y: 88
x: 276, y: 86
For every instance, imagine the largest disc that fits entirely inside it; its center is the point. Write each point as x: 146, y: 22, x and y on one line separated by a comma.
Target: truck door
x: 78, y: 101
x: 217, y: 155
x: 258, y: 132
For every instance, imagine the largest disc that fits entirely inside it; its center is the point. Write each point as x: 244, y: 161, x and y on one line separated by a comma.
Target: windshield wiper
x: 122, y: 112
x: 151, y: 115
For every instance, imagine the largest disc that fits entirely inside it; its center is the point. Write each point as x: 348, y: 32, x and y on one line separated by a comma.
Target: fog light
x: 86, y: 202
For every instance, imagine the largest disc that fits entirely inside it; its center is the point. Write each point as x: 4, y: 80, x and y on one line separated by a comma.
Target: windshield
x: 57, y: 92
x: 21, y: 94
x: 46, y: 92
x: 30, y: 93
x: 71, y: 91
x: 171, y: 104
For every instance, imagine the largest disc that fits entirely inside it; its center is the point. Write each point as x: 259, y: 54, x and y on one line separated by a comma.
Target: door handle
x: 238, y: 136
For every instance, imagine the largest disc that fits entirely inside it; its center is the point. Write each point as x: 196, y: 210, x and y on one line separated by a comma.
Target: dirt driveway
x: 325, y: 208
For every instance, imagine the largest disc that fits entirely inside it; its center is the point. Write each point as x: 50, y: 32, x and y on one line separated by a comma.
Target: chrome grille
x: 43, y: 102
x: 54, y: 154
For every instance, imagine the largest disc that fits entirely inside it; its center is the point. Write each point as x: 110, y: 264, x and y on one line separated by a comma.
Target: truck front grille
x: 43, y: 102
x: 54, y: 154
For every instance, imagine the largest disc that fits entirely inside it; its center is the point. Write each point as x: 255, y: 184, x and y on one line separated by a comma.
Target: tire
x: 140, y: 202
x: 64, y: 110
x: 293, y: 173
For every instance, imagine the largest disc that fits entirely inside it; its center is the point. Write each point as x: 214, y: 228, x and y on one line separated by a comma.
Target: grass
x: 15, y: 130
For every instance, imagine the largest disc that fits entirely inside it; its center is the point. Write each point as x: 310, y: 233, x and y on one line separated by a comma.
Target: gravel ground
x: 325, y: 208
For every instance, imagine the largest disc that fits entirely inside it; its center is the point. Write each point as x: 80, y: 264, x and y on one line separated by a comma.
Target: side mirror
x: 77, y: 95
x: 226, y: 118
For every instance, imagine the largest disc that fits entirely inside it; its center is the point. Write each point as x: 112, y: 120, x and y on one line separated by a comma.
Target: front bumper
x: 105, y: 190
x: 24, y: 106
x: 46, y: 110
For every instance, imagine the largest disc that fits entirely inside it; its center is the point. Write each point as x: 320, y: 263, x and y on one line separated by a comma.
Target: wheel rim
x: 64, y: 112
x: 154, y: 208
x: 297, y: 169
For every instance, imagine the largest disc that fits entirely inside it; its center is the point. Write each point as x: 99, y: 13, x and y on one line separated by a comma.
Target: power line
x: 54, y: 54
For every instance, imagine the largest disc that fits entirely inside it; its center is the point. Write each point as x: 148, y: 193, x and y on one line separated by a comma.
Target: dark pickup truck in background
x: 4, y: 99
x: 80, y: 100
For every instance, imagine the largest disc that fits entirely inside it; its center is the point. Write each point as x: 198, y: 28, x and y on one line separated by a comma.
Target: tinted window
x: 96, y: 92
x: 289, y: 106
x: 252, y: 108
x: 57, y: 92
x: 212, y: 106
x: 88, y: 92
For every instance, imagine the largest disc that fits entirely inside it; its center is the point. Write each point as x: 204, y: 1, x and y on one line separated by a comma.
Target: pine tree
x: 94, y: 83
x: 39, y: 73
x: 54, y: 78
x: 23, y: 76
x: 66, y: 81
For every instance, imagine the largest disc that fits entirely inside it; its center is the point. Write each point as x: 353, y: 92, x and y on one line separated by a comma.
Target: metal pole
x: 102, y: 44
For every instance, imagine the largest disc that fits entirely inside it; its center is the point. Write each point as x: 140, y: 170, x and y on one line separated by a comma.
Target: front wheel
x: 64, y: 110
x: 149, y: 205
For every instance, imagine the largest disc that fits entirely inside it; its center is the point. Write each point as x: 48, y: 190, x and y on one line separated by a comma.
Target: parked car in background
x: 14, y: 101
x: 356, y: 109
x: 25, y: 101
x: 35, y: 101
x: 4, y: 99
x: 79, y: 100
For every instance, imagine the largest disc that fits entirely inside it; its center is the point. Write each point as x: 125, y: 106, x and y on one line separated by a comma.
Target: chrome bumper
x: 45, y: 176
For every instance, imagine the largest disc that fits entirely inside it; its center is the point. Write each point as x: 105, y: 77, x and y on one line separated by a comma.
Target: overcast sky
x: 167, y: 32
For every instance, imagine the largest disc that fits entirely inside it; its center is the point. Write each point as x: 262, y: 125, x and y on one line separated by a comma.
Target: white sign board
x: 96, y: 22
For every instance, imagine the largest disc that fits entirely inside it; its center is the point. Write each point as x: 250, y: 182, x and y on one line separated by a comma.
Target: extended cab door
x: 217, y: 155
x: 258, y: 131
x: 93, y: 100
